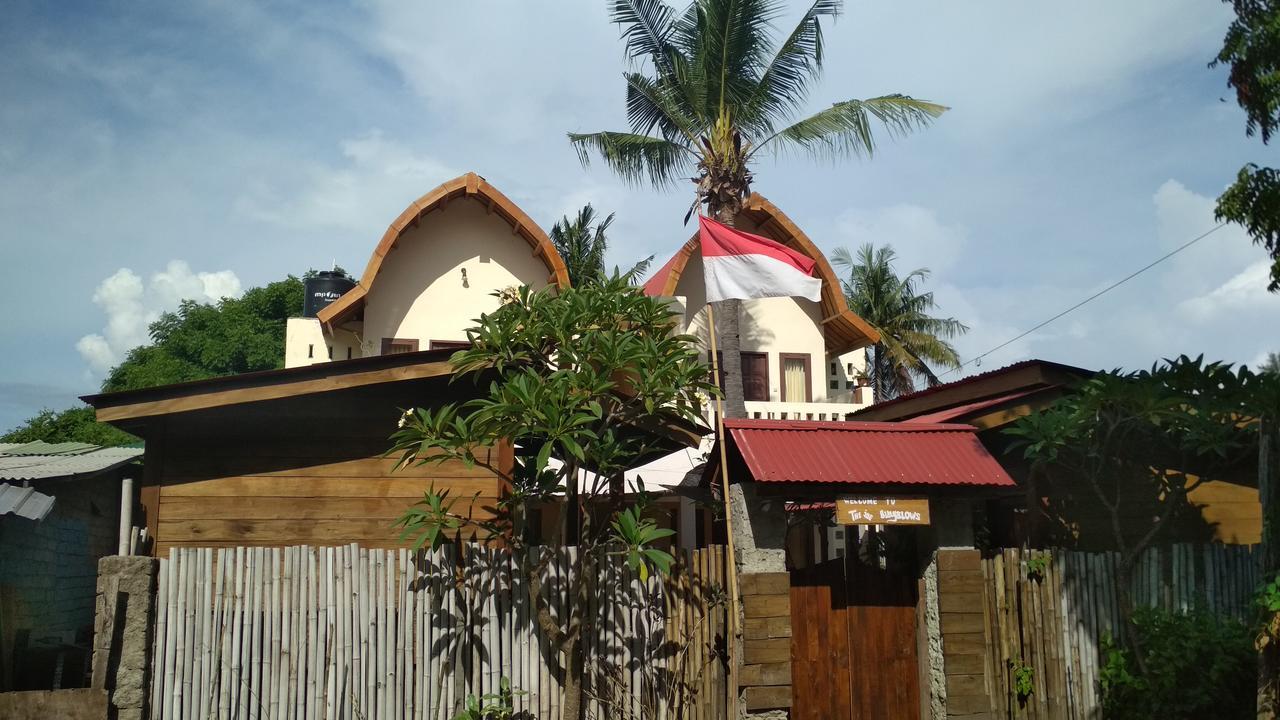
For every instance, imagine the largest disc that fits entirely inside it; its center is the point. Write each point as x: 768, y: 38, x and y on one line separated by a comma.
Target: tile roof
x: 41, y: 460
x: 866, y: 453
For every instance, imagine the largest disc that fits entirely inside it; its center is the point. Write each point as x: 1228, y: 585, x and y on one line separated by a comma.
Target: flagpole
x: 728, y: 521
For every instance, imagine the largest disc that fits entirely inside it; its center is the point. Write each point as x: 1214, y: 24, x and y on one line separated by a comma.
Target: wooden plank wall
x: 307, y: 633
x: 964, y: 642
x: 281, y: 491
x: 765, y: 677
x: 1049, y: 610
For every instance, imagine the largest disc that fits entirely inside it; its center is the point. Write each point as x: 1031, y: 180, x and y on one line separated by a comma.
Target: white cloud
x: 131, y: 307
x: 1245, y: 292
x: 375, y: 181
x: 918, y: 237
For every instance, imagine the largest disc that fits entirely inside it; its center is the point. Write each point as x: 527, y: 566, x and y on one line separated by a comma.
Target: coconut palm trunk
x: 730, y: 341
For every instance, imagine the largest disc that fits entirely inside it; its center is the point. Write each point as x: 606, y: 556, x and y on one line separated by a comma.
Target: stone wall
x: 81, y: 704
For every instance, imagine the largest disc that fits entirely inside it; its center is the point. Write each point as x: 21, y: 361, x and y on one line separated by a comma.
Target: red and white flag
x: 739, y: 265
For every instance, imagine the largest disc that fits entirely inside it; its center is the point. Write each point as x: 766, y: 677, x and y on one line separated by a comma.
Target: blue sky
x: 155, y: 151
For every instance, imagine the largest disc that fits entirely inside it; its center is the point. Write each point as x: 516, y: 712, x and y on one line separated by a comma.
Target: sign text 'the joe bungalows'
x: 862, y: 510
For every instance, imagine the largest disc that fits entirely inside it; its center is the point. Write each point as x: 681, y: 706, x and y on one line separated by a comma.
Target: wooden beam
x: 206, y: 400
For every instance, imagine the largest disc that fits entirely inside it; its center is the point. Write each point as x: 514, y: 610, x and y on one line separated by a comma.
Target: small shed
x: 1225, y: 510
x: 59, y: 513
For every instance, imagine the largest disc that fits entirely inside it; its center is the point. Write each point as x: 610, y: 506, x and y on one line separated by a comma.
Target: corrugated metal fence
x: 348, y: 632
x: 1048, y: 611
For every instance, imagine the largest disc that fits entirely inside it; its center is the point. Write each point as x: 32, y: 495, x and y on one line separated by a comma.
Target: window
x: 449, y: 345
x: 395, y: 346
x: 835, y: 368
x: 835, y: 385
x: 795, y: 377
x: 755, y: 374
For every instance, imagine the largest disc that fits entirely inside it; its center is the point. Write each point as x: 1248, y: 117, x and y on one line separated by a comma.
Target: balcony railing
x: 824, y: 411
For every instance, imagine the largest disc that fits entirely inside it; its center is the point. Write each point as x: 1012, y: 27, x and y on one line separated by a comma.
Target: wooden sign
x: 864, y: 510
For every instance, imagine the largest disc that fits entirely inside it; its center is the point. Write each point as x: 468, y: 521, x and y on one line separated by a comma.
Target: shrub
x: 1198, y: 666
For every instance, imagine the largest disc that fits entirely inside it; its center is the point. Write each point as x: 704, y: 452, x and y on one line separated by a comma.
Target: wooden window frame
x: 808, y: 374
x: 742, y: 354
x: 388, y: 342
x: 448, y: 345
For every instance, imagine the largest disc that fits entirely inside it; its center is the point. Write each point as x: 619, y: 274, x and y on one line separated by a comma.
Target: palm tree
x: 582, y: 245
x: 910, y: 338
x: 1271, y: 365
x: 710, y: 90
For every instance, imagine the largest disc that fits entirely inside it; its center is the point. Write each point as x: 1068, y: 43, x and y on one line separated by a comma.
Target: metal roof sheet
x: 950, y: 414
x: 866, y: 453
x: 61, y: 460
x: 970, y: 380
x: 24, y: 502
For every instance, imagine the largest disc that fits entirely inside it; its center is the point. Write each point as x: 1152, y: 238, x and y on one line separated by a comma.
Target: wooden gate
x: 853, y: 643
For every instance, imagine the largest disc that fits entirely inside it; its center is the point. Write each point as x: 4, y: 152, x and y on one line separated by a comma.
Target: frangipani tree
x: 712, y: 90
x: 588, y: 376
x: 1156, y: 435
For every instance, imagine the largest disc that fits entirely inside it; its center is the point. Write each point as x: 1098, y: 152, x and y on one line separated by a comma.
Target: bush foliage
x: 1198, y: 666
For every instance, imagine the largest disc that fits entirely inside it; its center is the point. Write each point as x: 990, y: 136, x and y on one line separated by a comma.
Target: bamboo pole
x: 732, y: 636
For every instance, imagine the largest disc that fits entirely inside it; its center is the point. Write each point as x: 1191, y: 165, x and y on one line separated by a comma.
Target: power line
x: 1091, y: 298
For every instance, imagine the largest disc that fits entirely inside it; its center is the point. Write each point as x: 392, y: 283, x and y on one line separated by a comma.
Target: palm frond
x: 651, y: 104
x: 637, y: 271
x: 846, y: 128
x: 734, y: 44
x: 637, y: 159
x: 784, y: 86
x: 646, y: 27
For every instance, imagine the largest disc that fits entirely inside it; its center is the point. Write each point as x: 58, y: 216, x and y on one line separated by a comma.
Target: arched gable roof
x: 470, y: 186
x: 841, y: 327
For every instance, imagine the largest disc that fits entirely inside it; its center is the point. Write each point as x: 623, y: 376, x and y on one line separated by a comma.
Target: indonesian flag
x: 742, y: 266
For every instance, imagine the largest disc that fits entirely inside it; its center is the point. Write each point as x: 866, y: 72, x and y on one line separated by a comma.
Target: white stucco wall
x: 421, y: 292
x: 305, y: 343
x: 770, y: 325
x: 775, y: 326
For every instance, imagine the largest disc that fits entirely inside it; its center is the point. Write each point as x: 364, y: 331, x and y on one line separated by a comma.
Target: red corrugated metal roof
x: 865, y: 453
x: 951, y: 413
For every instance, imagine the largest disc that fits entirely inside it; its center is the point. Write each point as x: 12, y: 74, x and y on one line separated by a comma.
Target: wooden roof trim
x: 204, y: 400
x: 468, y: 185
x: 843, y: 328
x: 1027, y: 375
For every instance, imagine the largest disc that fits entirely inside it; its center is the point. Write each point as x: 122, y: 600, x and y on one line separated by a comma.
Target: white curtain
x: 797, y: 380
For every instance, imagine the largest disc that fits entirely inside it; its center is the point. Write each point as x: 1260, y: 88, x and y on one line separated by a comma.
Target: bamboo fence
x: 312, y: 633
x: 1048, y: 610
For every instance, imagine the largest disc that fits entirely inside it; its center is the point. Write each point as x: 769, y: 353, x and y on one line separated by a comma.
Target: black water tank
x: 323, y: 288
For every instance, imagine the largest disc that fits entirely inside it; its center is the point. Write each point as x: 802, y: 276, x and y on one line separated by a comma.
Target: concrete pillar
x: 122, y: 633
x: 759, y: 530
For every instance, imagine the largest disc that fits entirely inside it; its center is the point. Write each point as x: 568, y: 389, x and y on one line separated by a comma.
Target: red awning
x: 869, y: 453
